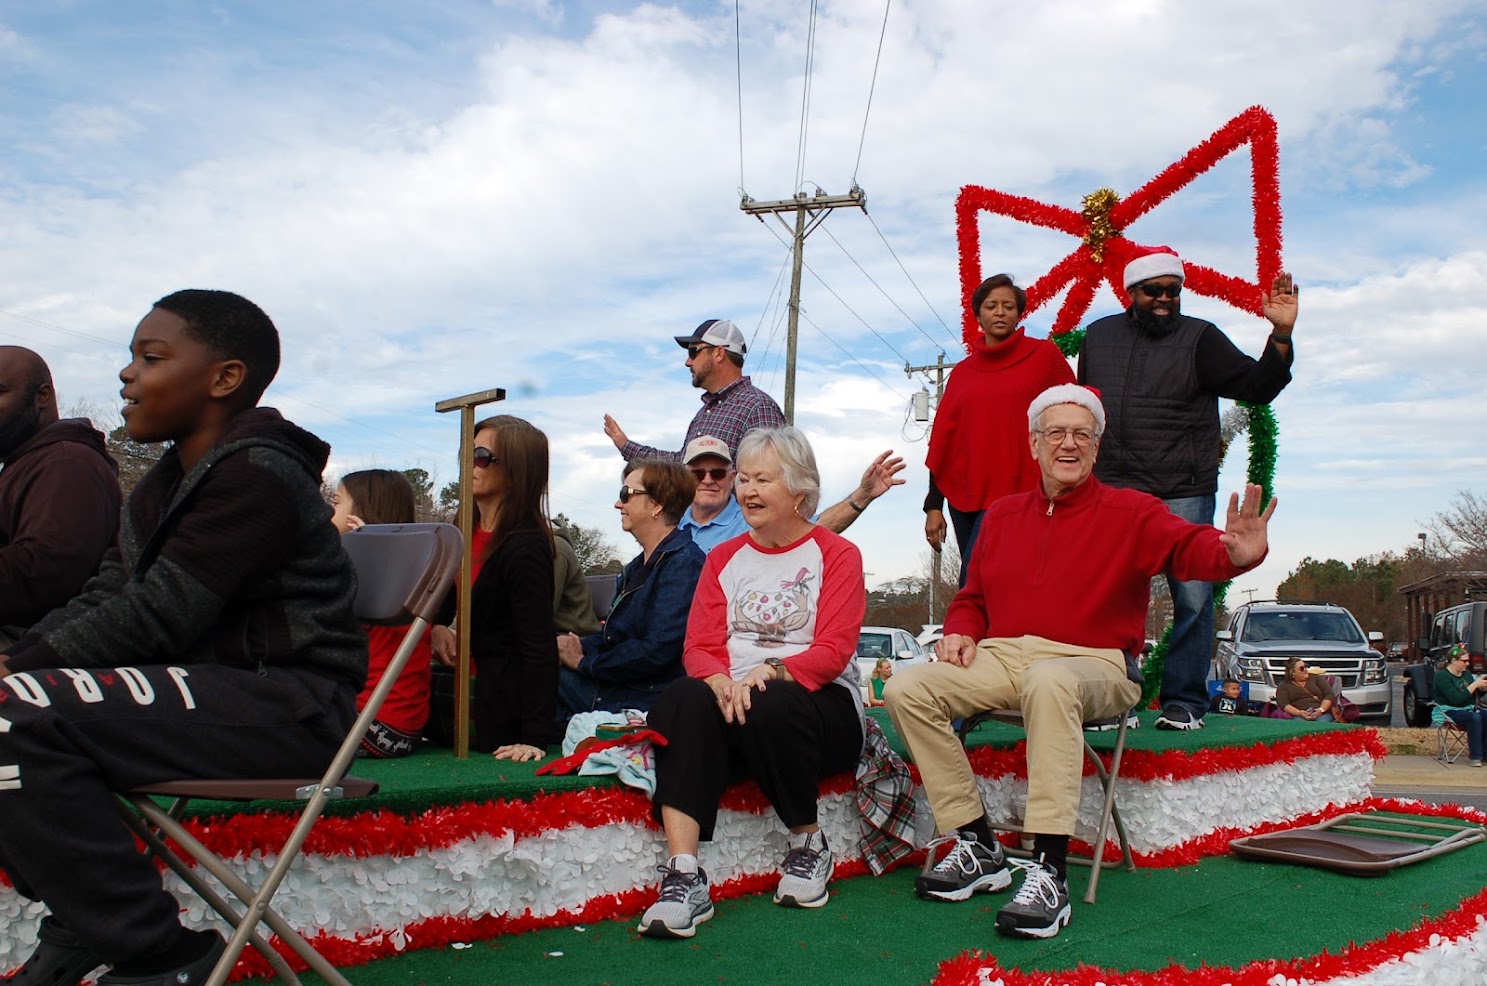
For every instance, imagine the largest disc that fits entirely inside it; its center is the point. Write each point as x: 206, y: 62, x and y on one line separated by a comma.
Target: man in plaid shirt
x: 731, y: 405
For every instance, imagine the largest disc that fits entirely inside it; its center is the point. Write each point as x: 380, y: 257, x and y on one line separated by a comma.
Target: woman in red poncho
x: 978, y: 450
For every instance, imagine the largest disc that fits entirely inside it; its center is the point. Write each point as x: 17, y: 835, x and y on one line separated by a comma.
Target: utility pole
x: 810, y: 211
x: 940, y: 370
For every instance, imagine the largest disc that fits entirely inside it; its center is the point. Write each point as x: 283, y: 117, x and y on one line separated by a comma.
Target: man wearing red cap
x: 1160, y: 374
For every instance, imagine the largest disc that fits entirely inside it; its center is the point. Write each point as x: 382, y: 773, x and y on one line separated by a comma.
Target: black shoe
x: 1177, y: 717
x: 187, y: 975
x: 969, y: 867
x: 1041, y: 907
x: 60, y: 958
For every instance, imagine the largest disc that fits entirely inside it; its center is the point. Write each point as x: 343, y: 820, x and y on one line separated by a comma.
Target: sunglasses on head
x: 484, y: 457
x: 1158, y: 290
x: 628, y: 491
x: 717, y: 474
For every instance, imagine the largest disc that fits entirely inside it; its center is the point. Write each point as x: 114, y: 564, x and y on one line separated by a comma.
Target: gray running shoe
x: 1110, y: 723
x: 804, y: 874
x: 684, y: 903
x: 1177, y: 717
x: 968, y: 868
x: 1040, y: 908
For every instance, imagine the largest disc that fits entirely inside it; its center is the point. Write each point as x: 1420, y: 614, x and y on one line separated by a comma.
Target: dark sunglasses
x: 717, y: 474
x: 1158, y: 290
x: 628, y: 491
x: 484, y: 457
x: 692, y: 351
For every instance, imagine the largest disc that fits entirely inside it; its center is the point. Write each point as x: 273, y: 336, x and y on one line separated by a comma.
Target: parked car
x: 1261, y: 636
x: 1463, y: 624
x: 875, y: 643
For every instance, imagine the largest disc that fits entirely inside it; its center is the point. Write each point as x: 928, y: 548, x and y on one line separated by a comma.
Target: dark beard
x: 1151, y: 324
x: 18, y: 430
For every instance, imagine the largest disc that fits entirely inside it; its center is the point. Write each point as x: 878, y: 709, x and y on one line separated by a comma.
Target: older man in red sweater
x: 1054, y: 599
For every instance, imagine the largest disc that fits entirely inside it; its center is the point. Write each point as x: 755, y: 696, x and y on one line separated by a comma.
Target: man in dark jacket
x: 1160, y: 374
x: 217, y: 640
x: 59, y: 496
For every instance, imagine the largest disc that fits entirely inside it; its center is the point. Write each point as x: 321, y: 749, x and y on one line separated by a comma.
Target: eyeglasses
x: 692, y: 351
x: 1160, y: 290
x: 717, y: 474
x: 1056, y: 436
x: 628, y: 491
x: 484, y: 457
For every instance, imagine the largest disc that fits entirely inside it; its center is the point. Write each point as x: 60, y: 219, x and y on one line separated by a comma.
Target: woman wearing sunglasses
x: 511, y: 621
x: 772, y: 690
x: 978, y: 447
x: 638, y: 651
x: 1456, y: 694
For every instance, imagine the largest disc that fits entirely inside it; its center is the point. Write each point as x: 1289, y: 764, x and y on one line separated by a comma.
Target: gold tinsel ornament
x: 1097, y: 206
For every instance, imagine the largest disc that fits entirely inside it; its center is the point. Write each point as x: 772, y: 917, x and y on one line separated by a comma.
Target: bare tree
x: 1461, y: 529
x: 596, y: 553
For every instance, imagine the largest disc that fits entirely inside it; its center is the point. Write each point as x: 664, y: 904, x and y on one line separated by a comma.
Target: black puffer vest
x: 1162, y: 429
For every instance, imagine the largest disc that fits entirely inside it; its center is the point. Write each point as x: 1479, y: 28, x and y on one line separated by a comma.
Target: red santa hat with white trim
x: 1160, y: 261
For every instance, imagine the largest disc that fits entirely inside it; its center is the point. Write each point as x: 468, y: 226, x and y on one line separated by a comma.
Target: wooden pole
x: 466, y: 405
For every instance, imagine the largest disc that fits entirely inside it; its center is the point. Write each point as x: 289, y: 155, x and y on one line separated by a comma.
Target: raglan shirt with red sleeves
x: 1078, y: 569
x: 803, y: 603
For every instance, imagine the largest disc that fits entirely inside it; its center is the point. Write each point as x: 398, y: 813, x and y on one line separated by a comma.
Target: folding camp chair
x: 1109, y: 812
x: 403, y: 572
x: 1450, y: 741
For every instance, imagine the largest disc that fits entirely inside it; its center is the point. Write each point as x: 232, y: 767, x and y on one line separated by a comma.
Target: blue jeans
x: 1471, y: 723
x: 1185, y: 673
x: 967, y: 524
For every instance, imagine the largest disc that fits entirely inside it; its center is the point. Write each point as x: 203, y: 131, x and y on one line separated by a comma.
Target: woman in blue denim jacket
x: 638, y: 651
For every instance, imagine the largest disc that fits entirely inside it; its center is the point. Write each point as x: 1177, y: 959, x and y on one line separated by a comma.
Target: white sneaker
x: 1041, y: 907
x: 806, y: 870
x: 685, y: 902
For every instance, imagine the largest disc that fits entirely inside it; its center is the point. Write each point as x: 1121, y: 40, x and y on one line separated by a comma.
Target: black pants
x: 68, y: 738
x: 792, y: 739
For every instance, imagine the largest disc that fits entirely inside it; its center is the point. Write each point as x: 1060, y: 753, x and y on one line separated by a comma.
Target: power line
x: 805, y: 96
x: 871, y: 87
x: 881, y: 291
x: 869, y: 370
x: 931, y: 307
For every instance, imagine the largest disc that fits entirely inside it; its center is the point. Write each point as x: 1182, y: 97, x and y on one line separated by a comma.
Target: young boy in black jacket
x: 217, y: 640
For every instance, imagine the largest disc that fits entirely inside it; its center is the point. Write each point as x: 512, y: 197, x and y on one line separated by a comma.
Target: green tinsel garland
x: 1264, y: 444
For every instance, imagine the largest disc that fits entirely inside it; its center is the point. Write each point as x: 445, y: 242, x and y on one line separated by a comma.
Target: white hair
x: 797, y: 462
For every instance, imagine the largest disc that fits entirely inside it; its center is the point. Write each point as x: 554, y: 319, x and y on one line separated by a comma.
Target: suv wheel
x: 1414, y: 713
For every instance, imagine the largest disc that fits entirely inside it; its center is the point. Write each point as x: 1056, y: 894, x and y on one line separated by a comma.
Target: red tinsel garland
x: 1099, y: 258
x: 974, y: 967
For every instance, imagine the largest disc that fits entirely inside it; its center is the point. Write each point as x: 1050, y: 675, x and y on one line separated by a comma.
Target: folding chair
x: 1109, y: 812
x: 1450, y: 740
x: 403, y: 572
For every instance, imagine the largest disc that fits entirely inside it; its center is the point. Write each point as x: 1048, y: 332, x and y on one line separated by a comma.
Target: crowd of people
x: 207, y: 629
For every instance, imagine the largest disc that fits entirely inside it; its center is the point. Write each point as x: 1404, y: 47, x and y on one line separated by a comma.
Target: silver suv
x: 1261, y: 636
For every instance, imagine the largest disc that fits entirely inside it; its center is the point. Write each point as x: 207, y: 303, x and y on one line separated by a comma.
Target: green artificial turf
x: 432, y: 777
x: 1223, y: 912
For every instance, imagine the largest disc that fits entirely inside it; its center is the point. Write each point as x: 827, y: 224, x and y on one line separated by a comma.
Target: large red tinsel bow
x: 1104, y: 251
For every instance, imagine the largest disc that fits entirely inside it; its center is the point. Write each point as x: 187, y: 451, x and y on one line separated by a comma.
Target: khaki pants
x: 1057, y: 686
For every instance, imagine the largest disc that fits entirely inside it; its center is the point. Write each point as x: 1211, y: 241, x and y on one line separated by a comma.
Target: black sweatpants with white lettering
x: 69, y: 737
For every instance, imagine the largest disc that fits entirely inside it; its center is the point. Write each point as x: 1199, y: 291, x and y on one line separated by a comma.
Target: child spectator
x: 217, y: 640
x: 384, y: 496
x: 1229, y: 700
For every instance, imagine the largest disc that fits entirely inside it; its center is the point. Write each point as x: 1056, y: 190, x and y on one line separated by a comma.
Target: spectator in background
x: 1229, y: 701
x: 59, y: 496
x: 978, y: 446
x: 731, y: 405
x: 384, y: 496
x: 1456, y: 695
x: 639, y: 651
x: 1303, y: 695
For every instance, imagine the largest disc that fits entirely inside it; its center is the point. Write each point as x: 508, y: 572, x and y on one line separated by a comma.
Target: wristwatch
x: 777, y: 664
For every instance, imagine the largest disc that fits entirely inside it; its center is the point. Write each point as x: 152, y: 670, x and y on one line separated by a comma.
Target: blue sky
x: 437, y: 198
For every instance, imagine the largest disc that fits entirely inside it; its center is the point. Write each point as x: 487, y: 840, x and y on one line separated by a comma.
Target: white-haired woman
x: 772, y: 690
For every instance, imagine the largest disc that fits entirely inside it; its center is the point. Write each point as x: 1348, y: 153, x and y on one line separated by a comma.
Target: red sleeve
x: 706, y: 651
x: 840, y: 609
x: 1198, y: 553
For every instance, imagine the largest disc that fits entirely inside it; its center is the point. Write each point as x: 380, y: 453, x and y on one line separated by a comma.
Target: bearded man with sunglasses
x: 1160, y: 375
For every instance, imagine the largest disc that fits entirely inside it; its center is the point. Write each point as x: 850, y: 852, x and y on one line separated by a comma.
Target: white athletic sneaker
x: 1040, y: 908
x: 684, y: 903
x: 806, y: 870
